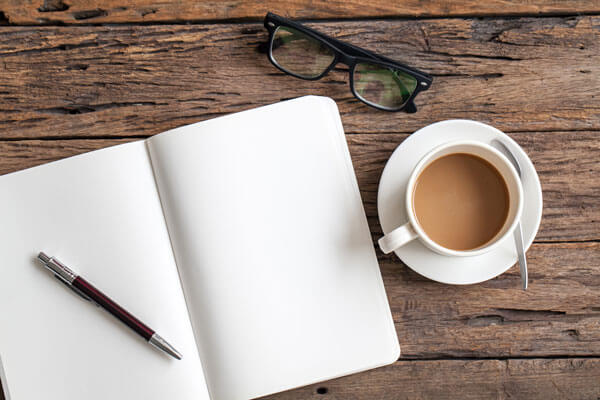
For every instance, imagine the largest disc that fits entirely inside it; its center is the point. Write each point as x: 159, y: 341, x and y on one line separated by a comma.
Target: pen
x: 90, y: 293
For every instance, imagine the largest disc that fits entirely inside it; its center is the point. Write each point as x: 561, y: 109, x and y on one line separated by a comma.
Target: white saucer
x: 392, y: 211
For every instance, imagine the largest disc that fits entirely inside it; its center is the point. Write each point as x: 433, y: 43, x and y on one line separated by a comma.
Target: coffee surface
x: 461, y: 201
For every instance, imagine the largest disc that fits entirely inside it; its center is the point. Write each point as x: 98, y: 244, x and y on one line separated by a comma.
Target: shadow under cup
x: 503, y: 167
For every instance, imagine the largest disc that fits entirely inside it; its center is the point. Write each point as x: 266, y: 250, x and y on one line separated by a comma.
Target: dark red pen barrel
x: 105, y: 302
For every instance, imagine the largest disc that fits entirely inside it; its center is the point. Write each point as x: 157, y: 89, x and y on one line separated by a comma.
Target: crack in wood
x: 89, y: 14
x: 470, y: 55
x: 489, y: 76
x: 53, y: 6
x: 461, y: 75
x: 252, y: 30
x: 486, y: 320
x: 214, y: 93
x: 147, y: 11
x: 80, y: 67
x: 190, y: 49
x: 503, y: 316
x: 211, y: 99
x: 60, y: 47
x: 520, y: 311
x: 510, y: 315
x: 573, y: 333
x: 83, y: 109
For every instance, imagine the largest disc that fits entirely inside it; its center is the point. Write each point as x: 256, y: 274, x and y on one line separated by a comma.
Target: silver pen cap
x: 57, y: 268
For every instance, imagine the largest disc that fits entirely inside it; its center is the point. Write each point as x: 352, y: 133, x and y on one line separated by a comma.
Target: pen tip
x: 157, y: 341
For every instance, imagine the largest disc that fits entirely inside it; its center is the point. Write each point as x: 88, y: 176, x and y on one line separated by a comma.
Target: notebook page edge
x: 337, y: 121
x: 394, y: 353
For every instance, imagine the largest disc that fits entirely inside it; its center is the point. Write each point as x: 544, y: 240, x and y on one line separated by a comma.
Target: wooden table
x: 78, y: 75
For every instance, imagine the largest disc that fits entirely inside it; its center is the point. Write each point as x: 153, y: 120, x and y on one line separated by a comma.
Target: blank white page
x: 273, y: 248
x: 99, y: 213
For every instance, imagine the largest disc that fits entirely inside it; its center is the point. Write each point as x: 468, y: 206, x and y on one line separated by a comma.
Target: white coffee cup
x: 412, y: 230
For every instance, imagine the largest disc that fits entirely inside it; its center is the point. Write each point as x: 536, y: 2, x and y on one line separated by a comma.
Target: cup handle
x: 397, y: 238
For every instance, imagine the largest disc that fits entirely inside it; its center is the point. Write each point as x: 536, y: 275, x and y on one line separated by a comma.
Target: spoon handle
x: 518, y: 232
x: 521, y: 254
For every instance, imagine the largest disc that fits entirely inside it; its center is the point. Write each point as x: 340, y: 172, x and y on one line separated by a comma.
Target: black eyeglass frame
x: 349, y: 55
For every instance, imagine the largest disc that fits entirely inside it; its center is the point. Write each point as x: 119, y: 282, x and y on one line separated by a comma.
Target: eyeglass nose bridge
x: 345, y: 59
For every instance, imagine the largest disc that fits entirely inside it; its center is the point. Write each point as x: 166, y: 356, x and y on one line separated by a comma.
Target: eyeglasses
x: 375, y: 80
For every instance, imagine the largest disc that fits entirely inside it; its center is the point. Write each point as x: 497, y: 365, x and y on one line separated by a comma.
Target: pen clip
x: 73, y: 288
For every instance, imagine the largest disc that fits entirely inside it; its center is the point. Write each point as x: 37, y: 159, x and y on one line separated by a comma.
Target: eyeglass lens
x: 300, y: 54
x: 381, y: 85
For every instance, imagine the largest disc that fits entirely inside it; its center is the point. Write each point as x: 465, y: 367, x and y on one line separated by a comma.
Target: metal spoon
x: 518, y: 231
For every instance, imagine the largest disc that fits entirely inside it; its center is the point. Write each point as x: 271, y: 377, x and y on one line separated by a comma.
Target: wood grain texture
x: 567, y: 163
x: 525, y: 74
x: 564, y: 378
x: 463, y: 379
x: 119, y: 11
x: 21, y: 154
x: 558, y: 315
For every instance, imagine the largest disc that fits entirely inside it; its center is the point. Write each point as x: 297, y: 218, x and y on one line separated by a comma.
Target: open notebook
x: 242, y: 240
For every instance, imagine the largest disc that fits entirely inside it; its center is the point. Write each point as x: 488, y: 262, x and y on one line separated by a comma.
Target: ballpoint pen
x: 90, y: 293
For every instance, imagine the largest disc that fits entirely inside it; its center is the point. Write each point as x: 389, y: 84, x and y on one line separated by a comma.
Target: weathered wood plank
x: 566, y: 162
x: 517, y: 74
x: 558, y: 315
x: 463, y: 379
x: 21, y: 154
x: 542, y: 379
x: 118, y: 11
